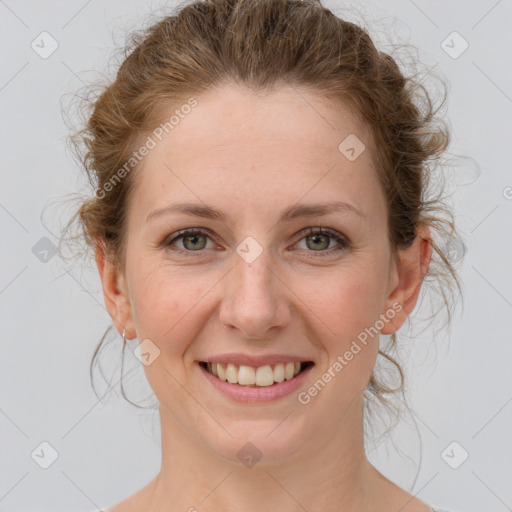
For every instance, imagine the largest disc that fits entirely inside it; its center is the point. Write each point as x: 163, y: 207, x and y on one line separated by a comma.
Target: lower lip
x: 257, y: 394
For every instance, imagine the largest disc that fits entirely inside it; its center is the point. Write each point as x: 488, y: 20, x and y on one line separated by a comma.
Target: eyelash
x: 344, y: 243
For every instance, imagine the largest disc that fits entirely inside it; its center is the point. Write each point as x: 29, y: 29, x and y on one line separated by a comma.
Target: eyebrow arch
x: 290, y: 213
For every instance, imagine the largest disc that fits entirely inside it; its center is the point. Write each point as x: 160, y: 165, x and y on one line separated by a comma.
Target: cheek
x: 166, y: 304
x: 168, y: 309
x: 345, y: 301
x: 345, y: 307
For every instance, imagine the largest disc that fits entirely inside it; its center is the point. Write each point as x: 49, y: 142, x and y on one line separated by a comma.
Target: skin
x: 250, y: 156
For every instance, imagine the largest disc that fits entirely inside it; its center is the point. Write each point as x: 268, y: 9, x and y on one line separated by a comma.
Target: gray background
x: 52, y: 316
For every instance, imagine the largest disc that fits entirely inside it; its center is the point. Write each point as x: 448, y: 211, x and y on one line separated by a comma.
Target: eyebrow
x: 290, y: 213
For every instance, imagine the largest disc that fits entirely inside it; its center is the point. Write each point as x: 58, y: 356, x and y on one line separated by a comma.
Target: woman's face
x: 252, y: 284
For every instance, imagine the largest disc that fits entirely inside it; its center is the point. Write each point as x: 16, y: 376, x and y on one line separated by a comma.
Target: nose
x: 254, y: 298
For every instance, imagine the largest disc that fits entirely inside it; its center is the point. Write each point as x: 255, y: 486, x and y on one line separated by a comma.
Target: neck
x: 329, y: 473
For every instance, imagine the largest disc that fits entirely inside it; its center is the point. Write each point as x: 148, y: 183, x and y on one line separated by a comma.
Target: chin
x: 259, y: 442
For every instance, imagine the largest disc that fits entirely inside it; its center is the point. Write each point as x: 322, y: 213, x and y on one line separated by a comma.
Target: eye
x: 321, y: 239
x: 195, y: 240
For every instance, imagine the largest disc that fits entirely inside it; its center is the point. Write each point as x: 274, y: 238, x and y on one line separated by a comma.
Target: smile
x: 262, y: 376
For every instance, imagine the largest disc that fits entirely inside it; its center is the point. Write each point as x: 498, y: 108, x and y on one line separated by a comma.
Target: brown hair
x: 262, y: 44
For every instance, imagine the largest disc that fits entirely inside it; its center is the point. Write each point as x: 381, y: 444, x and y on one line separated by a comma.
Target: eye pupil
x: 315, y: 239
x: 194, y: 236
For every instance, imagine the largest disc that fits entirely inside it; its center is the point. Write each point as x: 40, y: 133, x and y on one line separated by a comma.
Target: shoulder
x: 135, y: 502
x: 130, y: 504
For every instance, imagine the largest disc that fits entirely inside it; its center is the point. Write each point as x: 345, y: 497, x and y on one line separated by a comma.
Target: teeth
x: 279, y: 372
x: 264, y: 376
x: 289, y: 370
x: 232, y: 373
x: 246, y: 375
x: 220, y: 371
x: 250, y: 376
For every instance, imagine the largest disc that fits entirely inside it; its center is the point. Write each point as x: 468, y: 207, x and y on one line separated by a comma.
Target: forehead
x: 260, y: 148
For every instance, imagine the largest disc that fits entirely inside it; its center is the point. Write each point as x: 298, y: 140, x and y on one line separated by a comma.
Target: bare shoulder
x: 396, y: 498
x: 134, y: 503
x: 130, y: 504
x: 405, y: 502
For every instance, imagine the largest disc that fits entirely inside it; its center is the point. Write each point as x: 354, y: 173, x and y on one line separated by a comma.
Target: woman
x: 259, y: 222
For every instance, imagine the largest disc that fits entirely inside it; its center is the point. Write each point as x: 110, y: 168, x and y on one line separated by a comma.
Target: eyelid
x: 343, y: 241
x: 179, y: 235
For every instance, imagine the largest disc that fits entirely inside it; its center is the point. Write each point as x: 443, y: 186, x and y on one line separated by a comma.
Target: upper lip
x: 248, y: 360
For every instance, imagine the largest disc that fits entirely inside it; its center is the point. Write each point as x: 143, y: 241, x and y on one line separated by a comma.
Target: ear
x: 408, y: 273
x: 114, y: 290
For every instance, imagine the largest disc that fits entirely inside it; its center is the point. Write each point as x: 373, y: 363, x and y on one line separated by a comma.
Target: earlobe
x: 114, y: 290
x: 411, y: 267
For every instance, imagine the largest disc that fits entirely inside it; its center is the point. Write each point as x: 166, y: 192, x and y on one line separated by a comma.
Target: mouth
x: 250, y: 376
